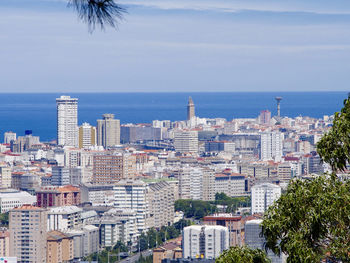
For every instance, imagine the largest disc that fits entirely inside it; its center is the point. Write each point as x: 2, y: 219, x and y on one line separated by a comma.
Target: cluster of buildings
x: 97, y: 185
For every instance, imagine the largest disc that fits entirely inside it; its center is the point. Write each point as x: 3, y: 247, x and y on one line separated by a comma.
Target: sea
x: 37, y: 111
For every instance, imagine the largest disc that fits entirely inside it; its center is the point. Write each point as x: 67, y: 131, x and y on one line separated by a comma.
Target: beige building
x: 112, y: 167
x: 28, y: 228
x: 208, y: 184
x: 186, y: 141
x: 284, y: 171
x: 5, y: 175
x: 4, y: 242
x: 87, y: 135
x: 107, y: 168
x: 60, y: 247
x: 108, y: 131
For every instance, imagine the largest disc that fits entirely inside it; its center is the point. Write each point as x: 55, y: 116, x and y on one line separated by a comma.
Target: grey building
x: 108, y: 131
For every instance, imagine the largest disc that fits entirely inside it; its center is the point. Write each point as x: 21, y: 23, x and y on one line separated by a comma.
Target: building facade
x: 263, y: 195
x: 28, y: 228
x: 206, y: 242
x: 186, y: 141
x: 87, y: 135
x: 67, y: 121
x: 108, y: 131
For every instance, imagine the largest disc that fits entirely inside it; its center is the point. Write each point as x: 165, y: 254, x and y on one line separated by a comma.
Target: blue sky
x: 178, y: 45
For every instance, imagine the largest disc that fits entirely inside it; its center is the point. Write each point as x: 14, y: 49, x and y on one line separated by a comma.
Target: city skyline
x: 182, y: 46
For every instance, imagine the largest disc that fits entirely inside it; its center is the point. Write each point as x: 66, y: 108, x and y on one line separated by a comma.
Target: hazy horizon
x: 182, y: 46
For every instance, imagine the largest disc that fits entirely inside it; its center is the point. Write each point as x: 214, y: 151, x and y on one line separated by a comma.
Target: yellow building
x: 87, y: 135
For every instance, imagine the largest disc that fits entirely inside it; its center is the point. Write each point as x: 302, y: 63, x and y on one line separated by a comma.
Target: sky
x: 177, y: 45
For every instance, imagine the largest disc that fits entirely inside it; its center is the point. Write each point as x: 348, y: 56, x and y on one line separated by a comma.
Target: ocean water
x: 37, y: 111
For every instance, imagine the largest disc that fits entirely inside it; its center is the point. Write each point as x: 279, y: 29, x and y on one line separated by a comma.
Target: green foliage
x: 198, y: 209
x: 148, y: 259
x: 4, y: 219
x: 311, y: 221
x: 243, y: 254
x: 334, y: 147
x: 194, y: 208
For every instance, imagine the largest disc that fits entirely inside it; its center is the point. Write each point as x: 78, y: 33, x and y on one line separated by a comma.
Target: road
x: 135, y: 257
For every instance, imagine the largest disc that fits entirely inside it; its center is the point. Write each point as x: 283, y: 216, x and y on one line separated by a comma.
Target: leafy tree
x: 4, y: 219
x: 310, y: 222
x: 334, y: 147
x: 243, y: 254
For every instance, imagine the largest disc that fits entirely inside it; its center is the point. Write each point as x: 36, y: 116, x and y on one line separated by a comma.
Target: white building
x: 190, y: 183
x: 271, y: 146
x: 132, y: 195
x: 153, y: 202
x: 9, y: 136
x: 86, y: 240
x: 67, y: 121
x: 117, y: 225
x: 11, y: 198
x: 254, y: 240
x: 263, y: 195
x: 204, y: 241
x: 186, y: 141
x: 63, y: 218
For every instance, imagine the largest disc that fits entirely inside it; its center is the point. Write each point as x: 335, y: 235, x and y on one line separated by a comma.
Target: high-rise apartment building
x: 206, y: 242
x: 271, y: 146
x: 263, y: 195
x: 265, y: 117
x: 186, y: 141
x: 87, y: 135
x: 153, y: 203
x: 67, y: 121
x: 190, y: 109
x: 132, y: 194
x: 9, y: 136
x: 28, y: 228
x: 108, y: 131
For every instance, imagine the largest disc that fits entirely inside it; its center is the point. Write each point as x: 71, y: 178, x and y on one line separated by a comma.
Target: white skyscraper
x: 271, y: 146
x: 263, y: 195
x: 204, y: 241
x: 67, y: 121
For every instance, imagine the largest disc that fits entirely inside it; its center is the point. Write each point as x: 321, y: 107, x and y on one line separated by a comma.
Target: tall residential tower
x: 67, y: 121
x: 108, y: 131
